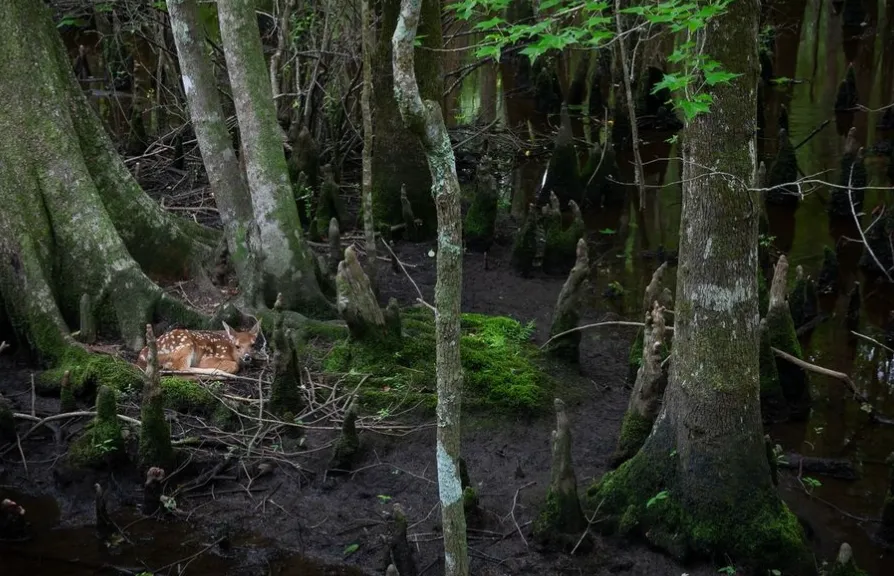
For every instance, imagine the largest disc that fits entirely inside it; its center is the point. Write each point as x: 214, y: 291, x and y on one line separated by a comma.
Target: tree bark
x: 398, y: 159
x: 424, y: 118
x: 701, y: 483
x: 230, y: 192
x: 369, y: 228
x: 74, y: 220
x: 286, y: 263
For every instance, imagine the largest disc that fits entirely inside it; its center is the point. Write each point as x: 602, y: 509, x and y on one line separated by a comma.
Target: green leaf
x: 657, y: 498
x: 488, y: 24
x: 351, y: 549
x: 714, y: 78
x: 692, y: 108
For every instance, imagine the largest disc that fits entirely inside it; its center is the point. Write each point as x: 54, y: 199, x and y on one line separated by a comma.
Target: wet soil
x: 294, y: 514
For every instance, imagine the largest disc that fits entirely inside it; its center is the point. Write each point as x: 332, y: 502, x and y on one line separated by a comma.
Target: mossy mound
x: 640, y: 499
x: 635, y: 428
x: 187, y: 396
x: 88, y: 373
x: 500, y: 365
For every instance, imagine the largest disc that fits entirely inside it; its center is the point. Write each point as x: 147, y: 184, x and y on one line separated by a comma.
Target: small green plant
x: 766, y: 241
x: 351, y: 548
x: 657, y: 498
x: 730, y: 570
x: 106, y: 446
x: 810, y: 483
x: 383, y: 498
x: 779, y: 455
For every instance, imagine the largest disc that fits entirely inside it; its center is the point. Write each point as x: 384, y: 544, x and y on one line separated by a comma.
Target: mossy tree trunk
x: 397, y: 156
x: 426, y: 121
x: 286, y: 262
x: 74, y: 220
x: 230, y: 192
x: 701, y: 483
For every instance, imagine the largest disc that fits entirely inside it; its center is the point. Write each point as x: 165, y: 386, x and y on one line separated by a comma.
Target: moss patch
x: 187, y: 396
x: 88, y: 372
x: 499, y: 363
x: 639, y: 498
x: 634, y: 430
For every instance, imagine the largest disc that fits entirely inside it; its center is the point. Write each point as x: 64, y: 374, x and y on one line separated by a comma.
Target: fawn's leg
x: 209, y: 362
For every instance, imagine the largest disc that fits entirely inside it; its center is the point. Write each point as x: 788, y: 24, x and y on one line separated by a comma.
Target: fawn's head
x: 244, y: 342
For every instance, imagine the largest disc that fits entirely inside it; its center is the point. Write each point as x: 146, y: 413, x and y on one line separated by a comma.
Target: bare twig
x: 824, y: 371
x: 874, y: 341
x: 421, y: 298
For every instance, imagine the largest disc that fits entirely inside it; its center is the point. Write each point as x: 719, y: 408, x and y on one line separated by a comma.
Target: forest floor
x: 270, y: 524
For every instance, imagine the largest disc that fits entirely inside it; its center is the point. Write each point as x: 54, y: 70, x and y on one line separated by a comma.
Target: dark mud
x: 291, y: 514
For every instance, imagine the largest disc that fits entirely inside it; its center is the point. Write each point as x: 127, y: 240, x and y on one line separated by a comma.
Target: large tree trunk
x: 286, y: 261
x: 397, y: 157
x: 424, y: 118
x: 206, y: 112
x: 74, y: 220
x: 701, y: 483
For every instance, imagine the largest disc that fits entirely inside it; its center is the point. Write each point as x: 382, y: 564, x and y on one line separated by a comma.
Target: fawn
x: 204, y: 351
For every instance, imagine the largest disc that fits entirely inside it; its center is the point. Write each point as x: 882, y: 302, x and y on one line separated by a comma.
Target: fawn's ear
x: 256, y: 328
x: 230, y: 332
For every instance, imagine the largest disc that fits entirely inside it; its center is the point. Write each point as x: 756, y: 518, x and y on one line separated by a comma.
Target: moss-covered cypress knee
x: 478, y: 228
x: 66, y: 395
x: 845, y: 565
x: 411, y: 223
x: 152, y: 490
x: 285, y: 396
x: 87, y: 332
x: 846, y: 199
x: 784, y: 174
x: 782, y: 333
x: 886, y: 530
x: 398, y: 549
x: 525, y: 245
x: 305, y: 157
x: 334, y: 247
x: 155, y: 434
x: 568, y: 308
x: 648, y: 390
x: 773, y: 404
x: 854, y: 302
x: 101, y: 444
x: 561, y: 519
x: 393, y: 325
x: 796, y: 298
x: 828, y: 277
x: 847, y: 97
x: 356, y: 301
x: 563, y: 176
x: 7, y: 421
x: 348, y: 442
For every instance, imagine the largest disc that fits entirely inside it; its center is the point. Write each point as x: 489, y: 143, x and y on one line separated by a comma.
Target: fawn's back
x: 224, y: 350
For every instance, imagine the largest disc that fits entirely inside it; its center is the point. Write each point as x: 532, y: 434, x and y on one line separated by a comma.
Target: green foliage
x: 499, y: 364
x: 584, y: 24
x: 101, y: 443
x: 89, y: 371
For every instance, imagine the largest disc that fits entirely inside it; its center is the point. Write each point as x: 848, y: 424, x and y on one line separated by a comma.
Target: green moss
x: 560, y: 521
x: 101, y: 443
x: 187, y: 396
x: 499, y: 364
x: 639, y: 498
x: 88, y: 372
x: 634, y: 430
x: 783, y: 336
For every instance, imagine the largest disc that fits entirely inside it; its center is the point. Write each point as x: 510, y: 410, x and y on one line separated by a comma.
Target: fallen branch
x: 597, y: 325
x: 823, y: 371
x: 874, y: 341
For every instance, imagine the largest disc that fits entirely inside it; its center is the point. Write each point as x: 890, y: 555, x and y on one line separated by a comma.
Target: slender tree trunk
x: 701, y: 483
x: 369, y: 228
x: 74, y: 220
x: 639, y: 179
x: 286, y: 263
x: 230, y: 192
x: 424, y: 118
